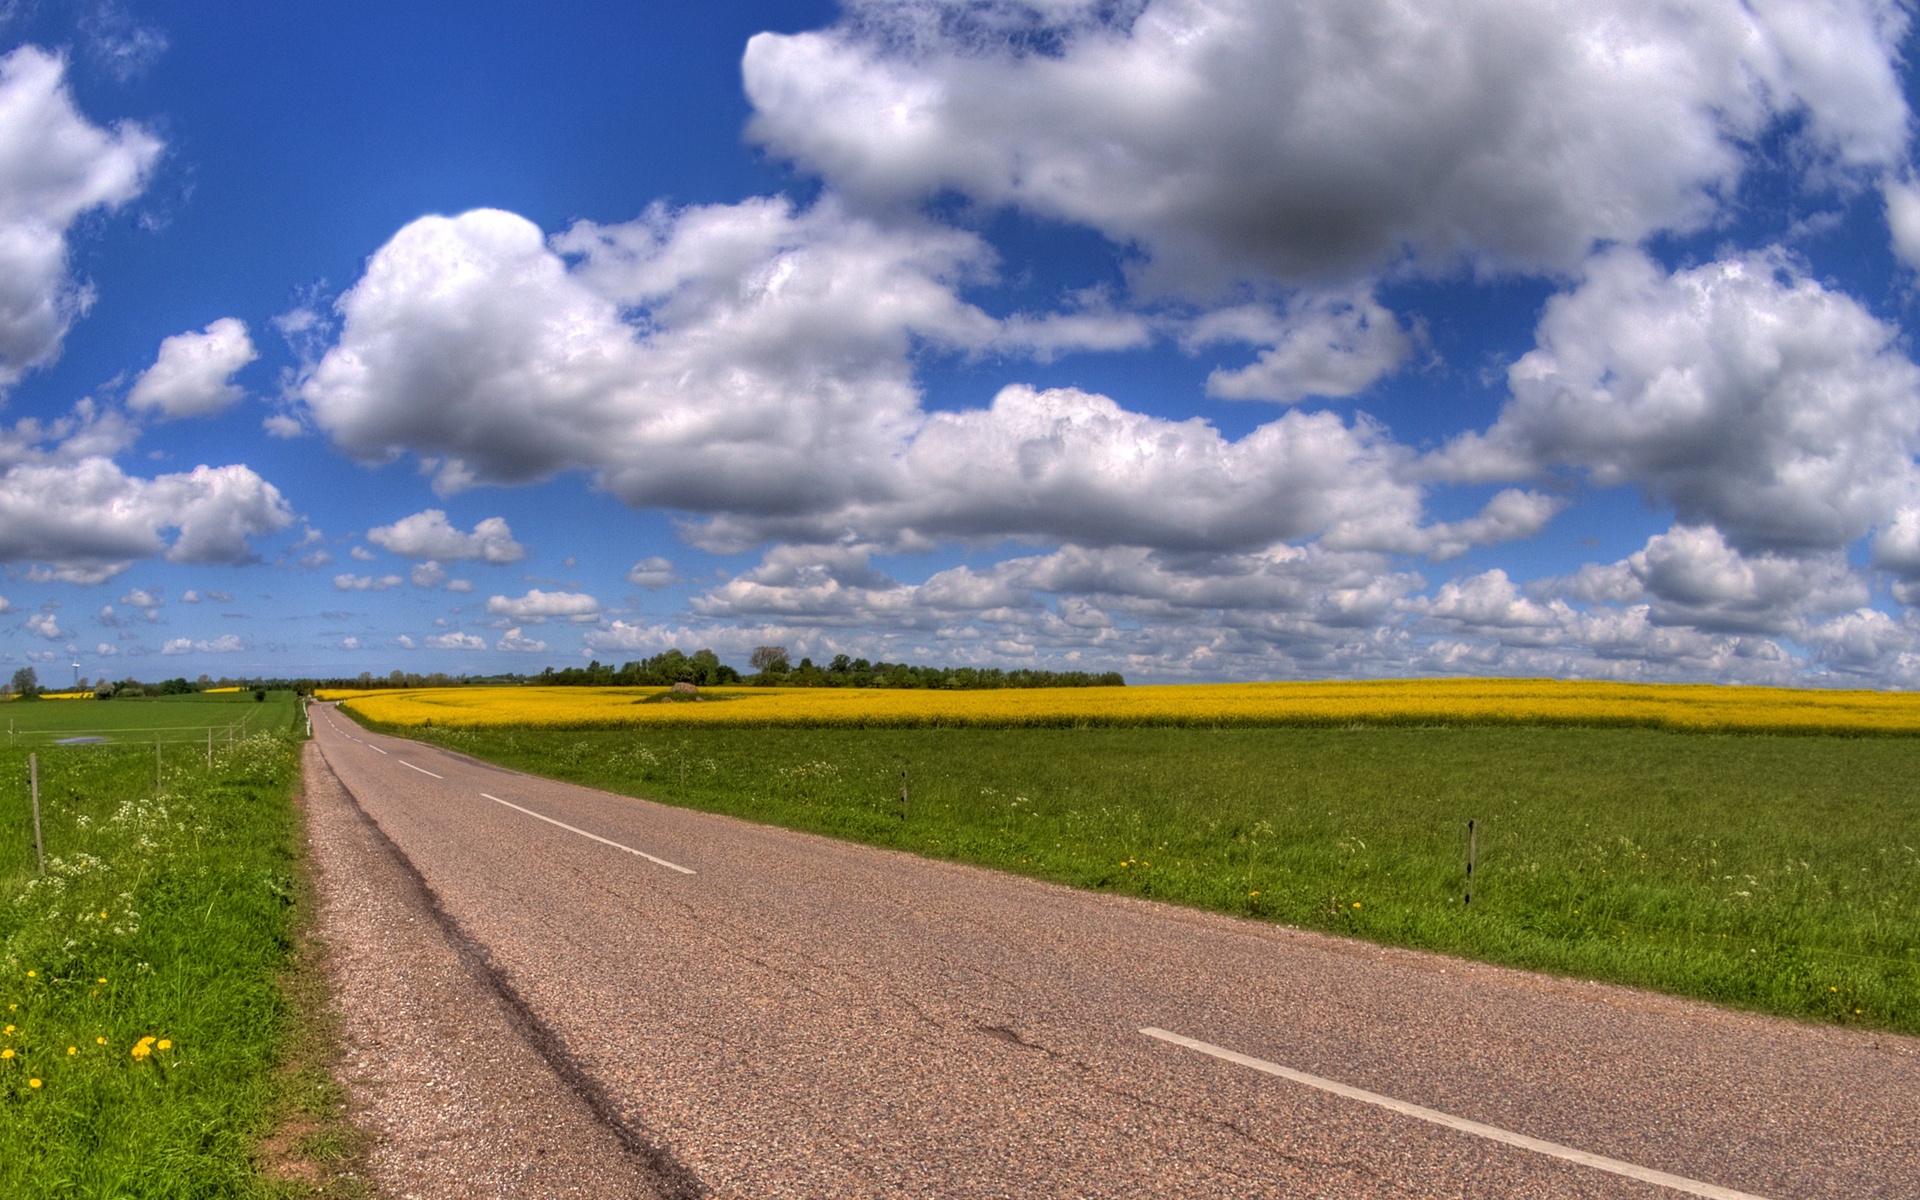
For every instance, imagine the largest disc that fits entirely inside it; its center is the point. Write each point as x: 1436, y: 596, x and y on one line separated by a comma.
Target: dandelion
x: 9, y: 1029
x: 71, y: 1050
x: 142, y: 1048
x: 99, y: 1041
x: 1356, y: 904
x: 31, y: 974
x: 166, y: 1043
x: 33, y: 1083
x: 7, y: 1053
x: 102, y: 979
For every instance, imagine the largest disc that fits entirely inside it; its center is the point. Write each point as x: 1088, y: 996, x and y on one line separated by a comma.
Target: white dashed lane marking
x: 1678, y: 1183
x: 596, y: 837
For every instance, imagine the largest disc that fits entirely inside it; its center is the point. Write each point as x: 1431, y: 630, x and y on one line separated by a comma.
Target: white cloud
x: 460, y: 585
x: 90, y: 520
x: 653, y: 573
x: 1903, y: 220
x: 226, y: 643
x: 281, y: 425
x: 456, y: 641
x: 367, y: 583
x: 1305, y: 139
x: 536, y: 606
x: 429, y: 574
x: 405, y: 642
x: 1740, y: 392
x: 513, y: 640
x: 753, y: 364
x: 1325, y: 345
x: 190, y: 596
x: 362, y: 554
x: 430, y: 535
x: 147, y: 602
x: 193, y: 375
x: 106, y: 650
x: 46, y: 626
x: 6, y: 605
x: 349, y: 643
x: 55, y: 166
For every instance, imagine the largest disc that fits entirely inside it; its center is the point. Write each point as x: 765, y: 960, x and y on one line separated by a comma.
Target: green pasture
x: 1767, y: 872
x: 168, y: 911
x: 228, y: 715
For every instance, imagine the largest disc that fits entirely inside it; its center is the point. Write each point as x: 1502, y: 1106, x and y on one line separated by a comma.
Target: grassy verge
x: 145, y: 975
x: 1768, y: 872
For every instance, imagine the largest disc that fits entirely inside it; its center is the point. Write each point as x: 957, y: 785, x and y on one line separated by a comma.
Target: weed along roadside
x: 149, y: 979
x: 1764, y: 871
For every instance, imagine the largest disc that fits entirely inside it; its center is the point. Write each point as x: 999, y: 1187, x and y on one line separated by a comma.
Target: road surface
x: 760, y: 1013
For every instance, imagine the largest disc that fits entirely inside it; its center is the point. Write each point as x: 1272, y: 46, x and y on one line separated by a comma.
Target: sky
x: 1194, y: 339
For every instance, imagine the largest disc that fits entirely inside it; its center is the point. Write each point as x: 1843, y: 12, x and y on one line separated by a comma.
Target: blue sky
x: 1196, y: 339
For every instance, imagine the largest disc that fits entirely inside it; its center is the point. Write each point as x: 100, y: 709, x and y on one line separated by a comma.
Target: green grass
x: 171, y: 916
x: 30, y: 724
x: 1767, y: 872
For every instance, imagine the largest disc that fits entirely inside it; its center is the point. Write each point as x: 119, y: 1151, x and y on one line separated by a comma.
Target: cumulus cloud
x: 515, y: 642
x: 1306, y: 139
x: 226, y: 643
x: 193, y: 375
x: 429, y: 535
x: 90, y: 520
x: 429, y: 574
x: 456, y: 641
x: 45, y: 625
x: 653, y: 573
x: 1326, y: 345
x: 55, y: 166
x: 536, y: 606
x: 367, y: 583
x: 148, y: 602
x: 1742, y: 393
x: 752, y: 364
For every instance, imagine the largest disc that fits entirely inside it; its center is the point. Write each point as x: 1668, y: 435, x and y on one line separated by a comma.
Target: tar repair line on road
x: 596, y: 837
x: 1492, y: 1133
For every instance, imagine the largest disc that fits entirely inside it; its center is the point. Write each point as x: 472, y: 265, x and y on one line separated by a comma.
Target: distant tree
x: 771, y: 660
x: 176, y: 687
x: 26, y: 682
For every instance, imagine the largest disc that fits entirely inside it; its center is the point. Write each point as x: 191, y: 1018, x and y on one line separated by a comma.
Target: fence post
x: 1472, y: 845
x: 33, y: 785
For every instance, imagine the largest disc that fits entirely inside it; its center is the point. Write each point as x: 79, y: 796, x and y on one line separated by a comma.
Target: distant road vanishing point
x: 761, y: 1013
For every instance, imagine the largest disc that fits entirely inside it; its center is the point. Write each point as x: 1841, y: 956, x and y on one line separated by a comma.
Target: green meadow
x: 1764, y: 872
x: 145, y: 976
x: 30, y: 724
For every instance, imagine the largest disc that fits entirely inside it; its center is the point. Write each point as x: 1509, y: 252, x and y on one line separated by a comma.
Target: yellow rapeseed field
x: 1699, y: 708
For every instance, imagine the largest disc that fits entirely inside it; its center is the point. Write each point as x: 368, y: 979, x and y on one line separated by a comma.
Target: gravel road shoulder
x: 441, y: 1069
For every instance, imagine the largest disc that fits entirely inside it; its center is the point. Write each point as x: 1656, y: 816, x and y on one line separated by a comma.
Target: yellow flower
x: 99, y: 1041
x: 102, y: 979
x: 73, y: 1049
x: 9, y: 1029
x: 166, y: 1043
x: 141, y: 1050
x: 7, y: 1053
x: 103, y: 914
x: 1356, y: 904
x: 33, y: 1083
x: 31, y: 974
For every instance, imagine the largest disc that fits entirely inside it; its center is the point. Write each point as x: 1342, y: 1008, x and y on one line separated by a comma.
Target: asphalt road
x: 776, y: 1014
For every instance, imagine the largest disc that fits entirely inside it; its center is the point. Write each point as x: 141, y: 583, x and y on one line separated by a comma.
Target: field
x: 1774, y: 872
x: 31, y: 724
x: 144, y: 975
x: 1386, y: 702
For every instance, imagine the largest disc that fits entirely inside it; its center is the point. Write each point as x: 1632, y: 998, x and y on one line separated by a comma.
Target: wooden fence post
x: 33, y: 784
